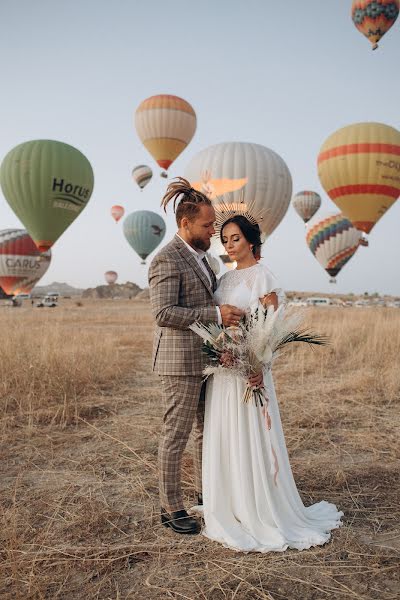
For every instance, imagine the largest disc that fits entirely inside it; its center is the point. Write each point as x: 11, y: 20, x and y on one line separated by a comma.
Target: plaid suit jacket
x: 180, y: 294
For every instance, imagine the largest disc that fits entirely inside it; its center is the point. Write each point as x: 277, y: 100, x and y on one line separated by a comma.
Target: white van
x: 49, y: 301
x: 316, y: 301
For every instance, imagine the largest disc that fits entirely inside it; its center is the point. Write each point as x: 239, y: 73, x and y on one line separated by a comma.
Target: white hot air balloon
x: 110, y: 277
x: 238, y: 176
x: 306, y: 204
x: 141, y: 175
x: 242, y: 173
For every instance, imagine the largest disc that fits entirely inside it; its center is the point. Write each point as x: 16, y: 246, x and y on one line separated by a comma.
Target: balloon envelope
x: 142, y: 174
x: 111, y: 277
x: 359, y: 168
x: 306, y: 204
x: 165, y: 124
x: 242, y: 173
x: 374, y: 17
x: 144, y: 231
x: 47, y: 184
x: 333, y: 240
x: 117, y: 212
x: 21, y: 263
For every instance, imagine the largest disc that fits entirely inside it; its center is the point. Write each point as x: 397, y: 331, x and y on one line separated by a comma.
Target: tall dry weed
x: 79, y: 512
x: 52, y: 365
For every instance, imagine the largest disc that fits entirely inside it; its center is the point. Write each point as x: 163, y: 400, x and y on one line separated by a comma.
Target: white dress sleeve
x: 265, y: 282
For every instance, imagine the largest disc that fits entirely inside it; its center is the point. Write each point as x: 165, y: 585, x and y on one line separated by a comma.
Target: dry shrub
x: 79, y: 508
x: 45, y: 373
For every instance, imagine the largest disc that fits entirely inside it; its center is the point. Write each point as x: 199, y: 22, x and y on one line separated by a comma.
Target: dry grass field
x: 79, y: 422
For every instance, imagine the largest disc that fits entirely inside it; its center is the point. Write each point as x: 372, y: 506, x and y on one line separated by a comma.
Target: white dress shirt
x: 199, y: 255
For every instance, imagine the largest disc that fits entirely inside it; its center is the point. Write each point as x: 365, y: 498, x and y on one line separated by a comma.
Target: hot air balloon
x: 306, y: 204
x: 111, y: 277
x: 21, y: 263
x: 165, y: 124
x: 142, y: 175
x: 359, y: 168
x: 144, y: 231
x: 249, y: 175
x: 47, y: 184
x: 374, y: 17
x: 117, y: 212
x: 333, y: 240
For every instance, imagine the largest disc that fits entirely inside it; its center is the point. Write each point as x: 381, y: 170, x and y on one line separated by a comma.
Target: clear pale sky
x: 283, y: 74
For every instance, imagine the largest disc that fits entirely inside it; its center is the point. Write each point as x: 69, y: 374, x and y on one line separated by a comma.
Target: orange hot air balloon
x: 374, y: 17
x: 117, y: 212
x: 359, y: 168
x: 165, y: 124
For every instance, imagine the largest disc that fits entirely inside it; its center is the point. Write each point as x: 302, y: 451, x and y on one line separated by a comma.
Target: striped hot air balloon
x: 144, y: 230
x: 21, y: 263
x: 165, y: 124
x: 142, y: 174
x: 117, y: 212
x: 359, y: 168
x: 374, y: 17
x: 111, y: 277
x: 306, y: 204
x: 333, y: 240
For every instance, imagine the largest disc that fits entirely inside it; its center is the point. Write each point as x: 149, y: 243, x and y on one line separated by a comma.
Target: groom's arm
x: 164, y: 285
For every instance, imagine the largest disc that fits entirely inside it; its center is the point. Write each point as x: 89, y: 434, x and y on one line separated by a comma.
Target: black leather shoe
x: 179, y: 521
x: 200, y: 499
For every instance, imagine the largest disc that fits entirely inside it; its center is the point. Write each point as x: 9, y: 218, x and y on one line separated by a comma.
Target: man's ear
x: 184, y: 223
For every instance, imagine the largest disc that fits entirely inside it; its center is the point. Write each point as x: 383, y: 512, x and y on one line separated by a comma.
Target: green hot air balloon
x: 47, y: 184
x: 144, y: 231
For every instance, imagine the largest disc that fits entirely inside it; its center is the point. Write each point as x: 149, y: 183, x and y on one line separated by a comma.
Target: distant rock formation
x: 143, y: 295
x: 62, y: 288
x: 126, y: 290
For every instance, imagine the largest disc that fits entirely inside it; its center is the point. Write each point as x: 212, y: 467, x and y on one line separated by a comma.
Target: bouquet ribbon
x: 273, y: 459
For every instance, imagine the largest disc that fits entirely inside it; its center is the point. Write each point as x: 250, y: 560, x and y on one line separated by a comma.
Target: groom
x: 181, y: 286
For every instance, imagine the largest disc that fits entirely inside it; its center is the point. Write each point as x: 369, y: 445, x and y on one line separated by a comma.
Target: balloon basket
x: 143, y: 262
x: 332, y: 280
x: 164, y: 174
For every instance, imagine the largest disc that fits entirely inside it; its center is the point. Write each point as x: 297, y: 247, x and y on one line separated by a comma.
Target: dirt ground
x: 80, y: 417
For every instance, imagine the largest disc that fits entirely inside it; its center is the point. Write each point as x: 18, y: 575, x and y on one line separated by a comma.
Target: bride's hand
x: 256, y: 380
x: 270, y: 299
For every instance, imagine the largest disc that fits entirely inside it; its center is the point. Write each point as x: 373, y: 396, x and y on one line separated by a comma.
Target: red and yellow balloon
x: 165, y: 124
x: 359, y: 168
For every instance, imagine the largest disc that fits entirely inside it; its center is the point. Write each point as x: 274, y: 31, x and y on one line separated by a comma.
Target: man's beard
x: 200, y: 244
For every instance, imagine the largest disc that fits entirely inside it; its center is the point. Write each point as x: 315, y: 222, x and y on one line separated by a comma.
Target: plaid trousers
x: 183, y: 398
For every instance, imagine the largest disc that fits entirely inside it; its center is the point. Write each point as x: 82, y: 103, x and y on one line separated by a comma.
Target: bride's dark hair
x: 188, y: 199
x: 251, y: 232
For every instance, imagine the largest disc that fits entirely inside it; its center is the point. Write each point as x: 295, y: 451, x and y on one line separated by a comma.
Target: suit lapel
x: 188, y: 256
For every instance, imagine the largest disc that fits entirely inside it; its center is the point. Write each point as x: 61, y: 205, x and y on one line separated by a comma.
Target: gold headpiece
x: 224, y: 211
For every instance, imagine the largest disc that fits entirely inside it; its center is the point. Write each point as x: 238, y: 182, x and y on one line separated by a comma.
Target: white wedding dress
x: 250, y: 499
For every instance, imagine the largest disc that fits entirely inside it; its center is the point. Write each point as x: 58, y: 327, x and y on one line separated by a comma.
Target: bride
x: 250, y: 499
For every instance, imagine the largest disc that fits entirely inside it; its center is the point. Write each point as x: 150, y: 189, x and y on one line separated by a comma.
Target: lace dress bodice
x: 243, y: 288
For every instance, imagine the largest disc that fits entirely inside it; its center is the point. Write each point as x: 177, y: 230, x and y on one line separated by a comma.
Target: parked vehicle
x: 49, y: 301
x: 316, y: 301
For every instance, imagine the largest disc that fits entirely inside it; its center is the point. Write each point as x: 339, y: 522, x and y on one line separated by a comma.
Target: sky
x: 282, y: 74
